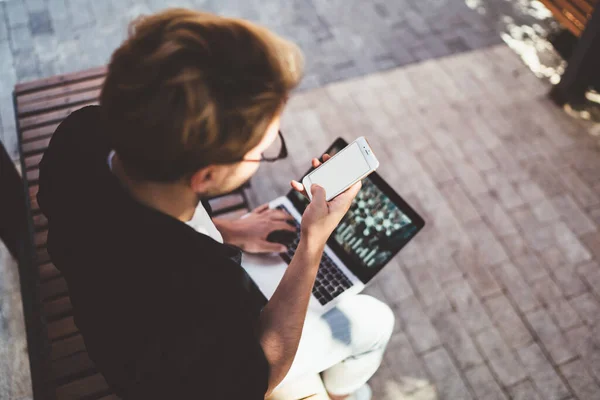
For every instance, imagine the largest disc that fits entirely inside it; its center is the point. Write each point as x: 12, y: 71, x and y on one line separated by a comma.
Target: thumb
x: 318, y: 193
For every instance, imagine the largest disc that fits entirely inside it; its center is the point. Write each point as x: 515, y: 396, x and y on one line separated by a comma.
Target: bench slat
x: 75, y: 364
x: 58, y: 308
x: 48, y: 271
x: 82, y: 388
x: 33, y: 161
x: 40, y: 221
x: 47, y: 118
x: 66, y: 347
x: 62, y: 79
x: 41, y: 238
x: 59, y: 91
x: 36, y: 146
x: 53, y: 288
x: 58, y: 102
x: 61, y: 328
x: 40, y: 132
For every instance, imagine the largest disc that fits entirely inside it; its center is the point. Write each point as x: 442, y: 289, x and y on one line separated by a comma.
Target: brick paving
x: 341, y: 38
x: 499, y: 296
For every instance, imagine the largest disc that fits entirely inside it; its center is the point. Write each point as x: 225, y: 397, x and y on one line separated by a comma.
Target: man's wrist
x: 311, y: 248
x: 224, y: 227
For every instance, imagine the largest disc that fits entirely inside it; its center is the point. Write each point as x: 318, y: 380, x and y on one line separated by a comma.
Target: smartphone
x: 351, y: 164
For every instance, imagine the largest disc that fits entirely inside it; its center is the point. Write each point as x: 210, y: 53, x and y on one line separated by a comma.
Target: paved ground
x: 341, y: 39
x: 499, y: 296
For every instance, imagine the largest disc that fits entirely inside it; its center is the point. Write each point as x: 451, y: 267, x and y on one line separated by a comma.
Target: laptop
x: 377, y: 226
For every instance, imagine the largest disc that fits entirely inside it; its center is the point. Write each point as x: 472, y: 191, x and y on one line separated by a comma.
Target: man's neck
x: 174, y: 199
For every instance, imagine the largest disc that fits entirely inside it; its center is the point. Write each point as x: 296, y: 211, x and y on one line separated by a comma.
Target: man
x: 190, y: 103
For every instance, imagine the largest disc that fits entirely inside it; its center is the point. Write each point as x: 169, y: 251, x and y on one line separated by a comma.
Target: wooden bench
x: 61, y: 368
x: 571, y: 14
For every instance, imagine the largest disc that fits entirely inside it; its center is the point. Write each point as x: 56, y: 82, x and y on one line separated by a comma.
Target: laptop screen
x: 378, y: 224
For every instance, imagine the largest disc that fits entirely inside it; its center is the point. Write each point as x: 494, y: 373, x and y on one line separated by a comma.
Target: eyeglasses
x: 274, y: 152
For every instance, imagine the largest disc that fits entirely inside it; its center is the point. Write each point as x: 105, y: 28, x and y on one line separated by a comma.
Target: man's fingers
x: 315, y: 162
x: 270, y: 247
x: 282, y: 226
x: 279, y: 215
x: 326, y: 157
x: 261, y: 208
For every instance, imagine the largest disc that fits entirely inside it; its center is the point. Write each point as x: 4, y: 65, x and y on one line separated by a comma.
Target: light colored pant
x: 346, y: 344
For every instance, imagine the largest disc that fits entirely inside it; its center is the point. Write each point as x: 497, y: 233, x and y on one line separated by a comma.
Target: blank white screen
x: 341, y: 170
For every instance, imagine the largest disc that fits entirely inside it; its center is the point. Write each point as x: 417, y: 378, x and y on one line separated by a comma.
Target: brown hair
x: 188, y: 89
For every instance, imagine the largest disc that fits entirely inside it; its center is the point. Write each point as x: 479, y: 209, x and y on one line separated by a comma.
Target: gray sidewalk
x: 341, y: 38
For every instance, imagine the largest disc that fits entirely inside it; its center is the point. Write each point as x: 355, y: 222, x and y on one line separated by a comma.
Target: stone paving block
x: 508, y: 321
x: 545, y: 211
x: 590, y: 272
x: 489, y: 249
x: 547, y: 381
x: 458, y: 342
x: 579, y: 189
x: 524, y: 391
x: 40, y: 23
x: 431, y: 295
x: 588, y: 308
x: 435, y: 165
x: 468, y: 306
x: 16, y: 13
x: 573, y: 250
x: 405, y: 366
x: 592, y: 243
x: 511, y: 167
x: 3, y: 26
x: 501, y: 188
x: 512, y: 280
x: 558, y: 307
x: 538, y: 236
x: 550, y: 336
x: 515, y: 244
x: 530, y: 266
x: 580, y: 380
x: 35, y: 5
x: 585, y: 341
x: 21, y: 39
x: 564, y: 272
x: 484, y: 385
x: 394, y: 284
x: 573, y: 215
x: 464, y: 210
x: 418, y: 326
x: 445, y: 375
x: 507, y: 368
x: 479, y: 276
x: 547, y: 179
x: 492, y: 211
x: 445, y: 269
x: 26, y: 65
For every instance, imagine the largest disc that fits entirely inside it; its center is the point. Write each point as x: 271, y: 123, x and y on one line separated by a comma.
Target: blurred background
x: 484, y: 115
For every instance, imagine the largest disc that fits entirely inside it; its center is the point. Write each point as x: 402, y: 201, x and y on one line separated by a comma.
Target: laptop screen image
x: 378, y: 224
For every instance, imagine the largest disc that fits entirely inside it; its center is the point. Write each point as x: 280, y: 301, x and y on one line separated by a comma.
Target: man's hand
x: 250, y: 233
x: 321, y: 217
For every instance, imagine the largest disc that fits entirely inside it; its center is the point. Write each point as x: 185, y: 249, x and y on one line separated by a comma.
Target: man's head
x: 189, y: 95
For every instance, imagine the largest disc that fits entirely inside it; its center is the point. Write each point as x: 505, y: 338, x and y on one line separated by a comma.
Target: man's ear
x: 202, y: 178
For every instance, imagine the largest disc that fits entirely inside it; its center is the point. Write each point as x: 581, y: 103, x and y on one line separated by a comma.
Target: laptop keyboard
x: 330, y: 281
